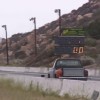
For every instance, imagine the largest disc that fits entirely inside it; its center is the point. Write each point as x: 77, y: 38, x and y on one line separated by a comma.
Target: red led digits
x: 78, y: 50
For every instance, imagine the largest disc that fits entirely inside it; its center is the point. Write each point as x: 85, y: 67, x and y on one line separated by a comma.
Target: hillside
x: 21, y: 45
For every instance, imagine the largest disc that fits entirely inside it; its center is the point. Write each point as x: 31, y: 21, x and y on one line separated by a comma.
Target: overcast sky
x: 16, y: 13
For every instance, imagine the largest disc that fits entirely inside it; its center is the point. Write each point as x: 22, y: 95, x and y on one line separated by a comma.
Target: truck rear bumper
x: 75, y: 78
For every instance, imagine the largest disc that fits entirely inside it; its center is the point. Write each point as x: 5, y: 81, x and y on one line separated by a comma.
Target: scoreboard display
x: 68, y: 50
x: 69, y: 44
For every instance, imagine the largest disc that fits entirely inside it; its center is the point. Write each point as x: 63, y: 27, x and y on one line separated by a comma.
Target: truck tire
x: 55, y: 76
x: 42, y: 75
x: 48, y: 75
x: 85, y: 73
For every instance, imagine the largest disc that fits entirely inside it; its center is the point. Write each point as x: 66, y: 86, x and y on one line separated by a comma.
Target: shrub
x: 94, y: 29
x: 90, y: 42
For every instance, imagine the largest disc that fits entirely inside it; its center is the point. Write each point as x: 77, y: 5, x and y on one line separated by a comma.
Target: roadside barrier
x: 61, y: 86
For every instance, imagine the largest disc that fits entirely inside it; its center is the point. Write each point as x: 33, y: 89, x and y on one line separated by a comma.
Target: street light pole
x: 34, y: 21
x: 5, y: 27
x: 59, y: 12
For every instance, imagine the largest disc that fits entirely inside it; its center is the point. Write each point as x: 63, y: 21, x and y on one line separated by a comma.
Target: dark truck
x: 68, y: 68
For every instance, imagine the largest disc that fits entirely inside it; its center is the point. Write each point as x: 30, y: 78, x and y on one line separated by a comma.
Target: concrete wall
x: 25, y: 69
x: 61, y: 86
x: 94, y: 71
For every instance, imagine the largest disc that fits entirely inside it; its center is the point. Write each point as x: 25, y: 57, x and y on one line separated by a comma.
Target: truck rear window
x: 68, y: 63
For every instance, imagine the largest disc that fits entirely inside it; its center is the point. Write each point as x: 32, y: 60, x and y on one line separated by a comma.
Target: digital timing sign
x: 68, y: 49
x: 69, y: 44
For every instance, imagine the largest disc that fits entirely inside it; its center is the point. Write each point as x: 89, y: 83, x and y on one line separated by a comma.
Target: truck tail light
x: 59, y: 73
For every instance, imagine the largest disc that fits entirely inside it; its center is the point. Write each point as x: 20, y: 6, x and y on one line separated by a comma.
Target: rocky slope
x: 21, y: 46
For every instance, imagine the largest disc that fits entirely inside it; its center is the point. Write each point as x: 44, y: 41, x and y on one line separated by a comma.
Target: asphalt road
x: 34, y: 74
x: 38, y: 74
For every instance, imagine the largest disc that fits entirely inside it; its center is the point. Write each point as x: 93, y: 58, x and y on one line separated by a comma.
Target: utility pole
x: 35, y: 39
x: 59, y: 13
x: 5, y: 27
